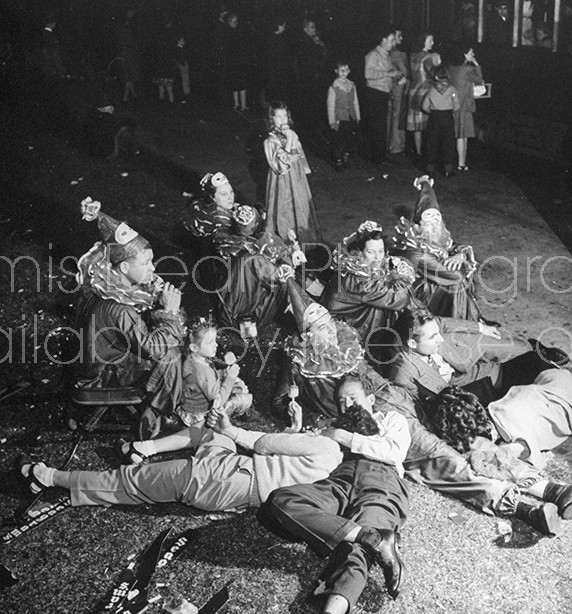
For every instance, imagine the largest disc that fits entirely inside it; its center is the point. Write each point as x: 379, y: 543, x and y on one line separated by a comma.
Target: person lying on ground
x: 352, y: 517
x: 312, y: 365
x: 217, y: 478
x: 434, y: 352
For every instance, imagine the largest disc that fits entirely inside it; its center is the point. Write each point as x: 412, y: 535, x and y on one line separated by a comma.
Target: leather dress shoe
x: 386, y: 554
x: 543, y: 518
x: 551, y: 355
x: 561, y: 496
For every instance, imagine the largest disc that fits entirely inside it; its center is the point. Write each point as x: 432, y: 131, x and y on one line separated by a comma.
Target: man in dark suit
x: 498, y: 30
x: 436, y: 352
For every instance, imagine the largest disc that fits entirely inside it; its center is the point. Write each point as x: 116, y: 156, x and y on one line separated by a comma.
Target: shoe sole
x: 551, y: 519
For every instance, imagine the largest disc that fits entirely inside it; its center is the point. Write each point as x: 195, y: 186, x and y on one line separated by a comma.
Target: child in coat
x: 343, y: 115
x: 288, y: 198
x: 441, y: 101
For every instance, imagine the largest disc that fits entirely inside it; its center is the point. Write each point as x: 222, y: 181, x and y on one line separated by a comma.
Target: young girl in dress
x: 204, y: 387
x: 288, y: 199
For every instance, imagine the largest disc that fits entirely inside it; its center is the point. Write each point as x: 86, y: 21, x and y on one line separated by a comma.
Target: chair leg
x: 95, y: 417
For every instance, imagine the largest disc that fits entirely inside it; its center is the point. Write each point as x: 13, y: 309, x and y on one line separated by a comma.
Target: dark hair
x: 410, y: 322
x: 358, y: 378
x: 419, y: 43
x: 197, y: 328
x: 356, y: 419
x: 341, y: 62
x: 385, y: 31
x: 362, y: 238
x: 277, y: 105
x: 441, y: 73
x: 457, y: 417
x: 457, y: 53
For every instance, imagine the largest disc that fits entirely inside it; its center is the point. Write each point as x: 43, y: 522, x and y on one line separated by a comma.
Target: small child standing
x: 440, y: 102
x: 204, y: 387
x: 288, y: 198
x: 343, y: 115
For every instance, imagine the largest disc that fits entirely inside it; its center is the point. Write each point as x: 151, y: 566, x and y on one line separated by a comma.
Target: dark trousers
x: 357, y: 493
x: 441, y: 142
x: 377, y: 107
x: 344, y: 139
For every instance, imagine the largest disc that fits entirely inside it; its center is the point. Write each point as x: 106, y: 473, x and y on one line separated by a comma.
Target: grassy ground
x: 68, y: 564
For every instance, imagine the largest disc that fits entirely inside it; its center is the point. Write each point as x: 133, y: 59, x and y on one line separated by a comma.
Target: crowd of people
x: 390, y: 371
x: 452, y: 400
x: 413, y: 93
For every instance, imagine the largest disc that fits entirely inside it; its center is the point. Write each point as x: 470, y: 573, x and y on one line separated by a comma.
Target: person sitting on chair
x: 128, y: 319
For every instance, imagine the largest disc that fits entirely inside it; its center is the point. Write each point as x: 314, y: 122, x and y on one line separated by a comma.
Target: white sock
x: 145, y: 447
x: 44, y: 474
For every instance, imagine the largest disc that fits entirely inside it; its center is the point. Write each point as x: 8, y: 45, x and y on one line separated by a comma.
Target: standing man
x: 397, y: 116
x: 380, y: 73
x: 498, y: 31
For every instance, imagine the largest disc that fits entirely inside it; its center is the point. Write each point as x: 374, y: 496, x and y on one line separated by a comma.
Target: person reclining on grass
x: 217, y: 477
x: 354, y: 515
x: 328, y: 350
x: 434, y: 352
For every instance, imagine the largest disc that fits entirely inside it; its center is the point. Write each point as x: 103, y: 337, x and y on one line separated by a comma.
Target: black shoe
x: 549, y: 355
x: 32, y: 482
x: 561, y: 496
x: 386, y: 554
x: 131, y: 456
x: 449, y: 174
x: 543, y: 519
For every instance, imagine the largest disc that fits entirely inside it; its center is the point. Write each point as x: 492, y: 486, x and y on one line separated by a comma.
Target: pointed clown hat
x: 426, y: 198
x: 306, y: 311
x: 121, y: 241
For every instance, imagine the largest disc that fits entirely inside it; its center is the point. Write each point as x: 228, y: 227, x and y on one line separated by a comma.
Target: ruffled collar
x: 109, y: 284
x: 350, y: 262
x: 335, y: 361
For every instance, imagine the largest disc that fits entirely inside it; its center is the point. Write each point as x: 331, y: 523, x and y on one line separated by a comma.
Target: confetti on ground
x: 74, y: 182
x: 151, y: 205
x: 187, y: 194
x: 124, y: 174
x: 370, y: 178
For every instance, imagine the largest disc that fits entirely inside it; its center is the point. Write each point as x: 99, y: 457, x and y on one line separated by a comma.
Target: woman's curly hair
x: 457, y: 417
